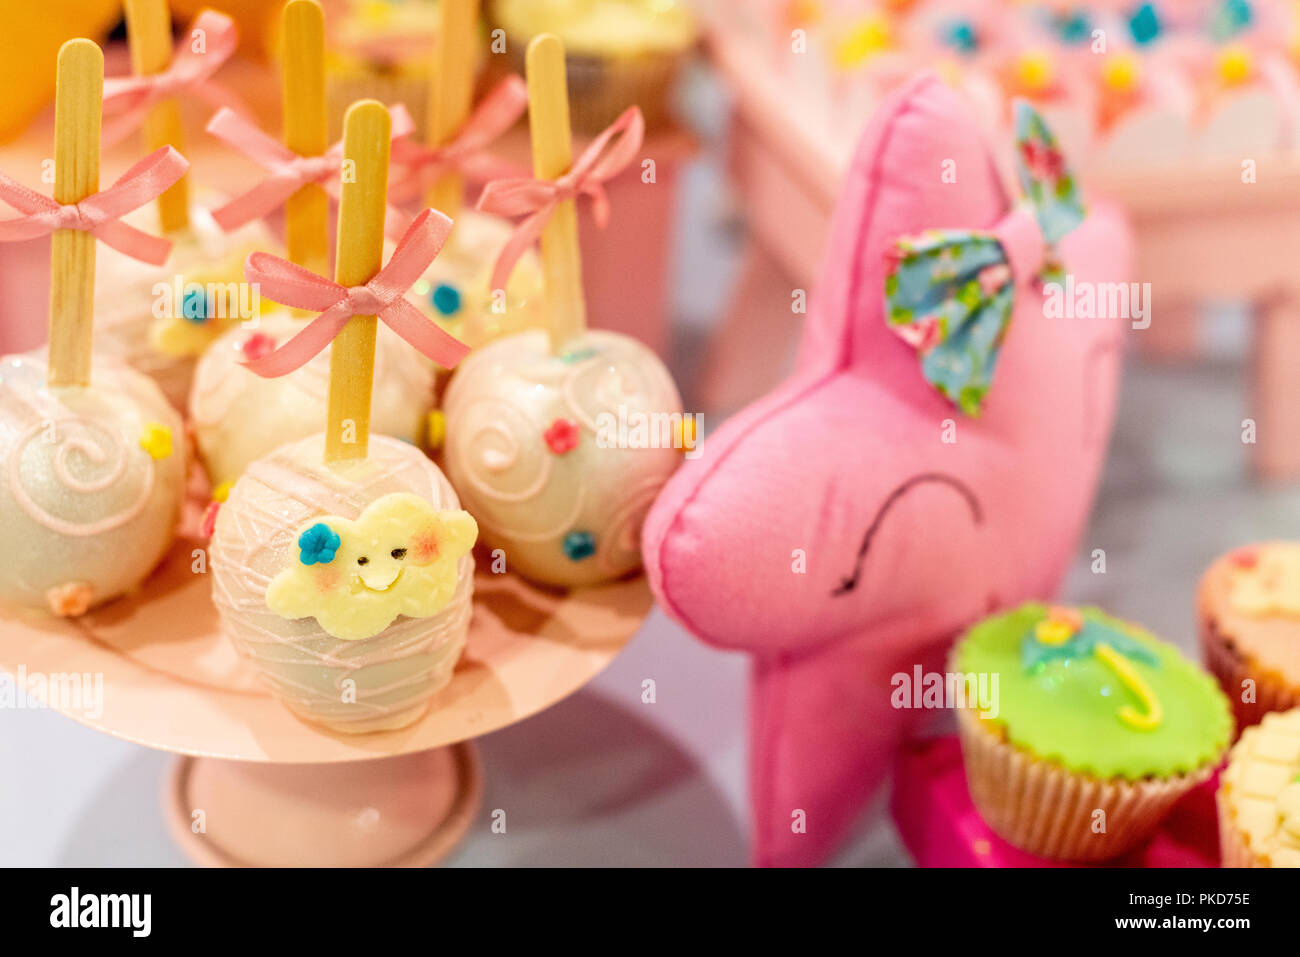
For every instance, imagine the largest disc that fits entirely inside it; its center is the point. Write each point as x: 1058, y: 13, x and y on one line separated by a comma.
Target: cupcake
x: 1259, y: 795
x: 383, y: 50
x: 619, y: 52
x: 1092, y: 729
x: 1249, y: 608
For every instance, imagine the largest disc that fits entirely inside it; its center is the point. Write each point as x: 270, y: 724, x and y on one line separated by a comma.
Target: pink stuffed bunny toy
x: 932, y: 459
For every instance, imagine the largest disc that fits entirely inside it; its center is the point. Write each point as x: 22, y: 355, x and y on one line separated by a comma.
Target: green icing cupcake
x: 1096, y: 695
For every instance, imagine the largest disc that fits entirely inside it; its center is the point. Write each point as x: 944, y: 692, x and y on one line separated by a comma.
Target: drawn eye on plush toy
x: 849, y: 582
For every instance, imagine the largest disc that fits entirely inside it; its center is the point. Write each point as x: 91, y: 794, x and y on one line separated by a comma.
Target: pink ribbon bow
x: 128, y: 98
x: 498, y: 112
x: 289, y: 171
x: 538, y: 198
x: 292, y: 285
x: 100, y: 213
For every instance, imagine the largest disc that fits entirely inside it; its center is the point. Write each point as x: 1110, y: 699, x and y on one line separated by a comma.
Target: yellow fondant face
x: 1270, y: 586
x: 399, y: 557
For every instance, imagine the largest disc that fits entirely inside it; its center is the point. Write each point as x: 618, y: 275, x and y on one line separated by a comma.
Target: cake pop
x: 341, y: 562
x: 457, y: 291
x: 239, y: 416
x: 92, y: 465
x: 142, y: 321
x: 559, y: 440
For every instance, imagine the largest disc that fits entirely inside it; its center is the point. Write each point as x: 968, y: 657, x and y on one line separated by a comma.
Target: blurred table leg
x: 1174, y: 335
x: 1276, y: 381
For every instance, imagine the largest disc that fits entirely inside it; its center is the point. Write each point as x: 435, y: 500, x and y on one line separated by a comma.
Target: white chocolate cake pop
x: 159, y: 320
x: 92, y: 484
x: 238, y: 416
x: 559, y: 440
x: 92, y: 462
x: 265, y: 531
x: 540, y: 448
x: 341, y: 563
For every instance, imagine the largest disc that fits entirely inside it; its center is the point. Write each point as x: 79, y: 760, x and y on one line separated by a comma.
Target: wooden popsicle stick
x: 306, y: 130
x: 548, y: 124
x: 149, y: 27
x: 77, y: 114
x: 364, y: 200
x: 451, y: 92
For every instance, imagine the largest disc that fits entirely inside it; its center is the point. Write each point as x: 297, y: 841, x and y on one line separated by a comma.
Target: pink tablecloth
x: 940, y: 826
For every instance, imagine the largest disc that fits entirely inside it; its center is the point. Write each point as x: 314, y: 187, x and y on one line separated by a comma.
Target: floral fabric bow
x: 950, y: 293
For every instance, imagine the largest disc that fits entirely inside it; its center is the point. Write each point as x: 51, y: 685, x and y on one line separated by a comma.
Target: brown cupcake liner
x: 601, y: 88
x: 1044, y: 809
x: 1231, y: 668
x: 1233, y: 850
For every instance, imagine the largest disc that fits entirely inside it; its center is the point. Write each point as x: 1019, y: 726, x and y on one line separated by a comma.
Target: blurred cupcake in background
x: 1249, y: 609
x: 382, y: 49
x: 1095, y: 729
x: 1259, y: 795
x: 619, y: 52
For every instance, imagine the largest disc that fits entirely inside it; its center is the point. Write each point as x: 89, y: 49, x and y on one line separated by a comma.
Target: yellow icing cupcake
x: 381, y: 49
x: 1249, y: 609
x: 1259, y: 795
x: 619, y: 52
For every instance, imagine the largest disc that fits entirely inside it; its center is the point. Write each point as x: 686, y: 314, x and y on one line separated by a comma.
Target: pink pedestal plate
x: 256, y: 786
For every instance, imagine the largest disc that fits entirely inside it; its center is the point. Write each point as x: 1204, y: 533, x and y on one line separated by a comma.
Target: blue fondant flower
x: 1144, y: 24
x: 960, y: 35
x: 579, y: 545
x: 446, y: 299
x: 194, y: 306
x: 318, y: 544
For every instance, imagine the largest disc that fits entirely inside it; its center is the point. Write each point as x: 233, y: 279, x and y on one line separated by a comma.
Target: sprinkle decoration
x: 562, y: 436
x: 256, y: 346
x: 156, y: 440
x: 446, y: 299
x: 1144, y: 25
x: 209, y: 523
x: 318, y: 544
x: 194, y: 306
x: 579, y: 545
x: 435, y: 429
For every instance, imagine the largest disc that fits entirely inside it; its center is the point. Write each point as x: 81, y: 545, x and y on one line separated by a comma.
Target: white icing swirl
x: 92, y: 451
x: 82, y: 503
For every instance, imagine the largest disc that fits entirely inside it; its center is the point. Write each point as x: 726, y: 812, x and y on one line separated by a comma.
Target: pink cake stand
x: 256, y: 786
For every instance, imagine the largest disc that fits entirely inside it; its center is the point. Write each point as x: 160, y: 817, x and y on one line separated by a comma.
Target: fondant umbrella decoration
x: 1065, y: 634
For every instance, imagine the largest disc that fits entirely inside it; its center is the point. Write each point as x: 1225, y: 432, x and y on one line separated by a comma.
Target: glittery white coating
x: 239, y: 416
x: 530, y: 498
x: 386, y: 681
x: 84, y: 507
x: 128, y: 325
